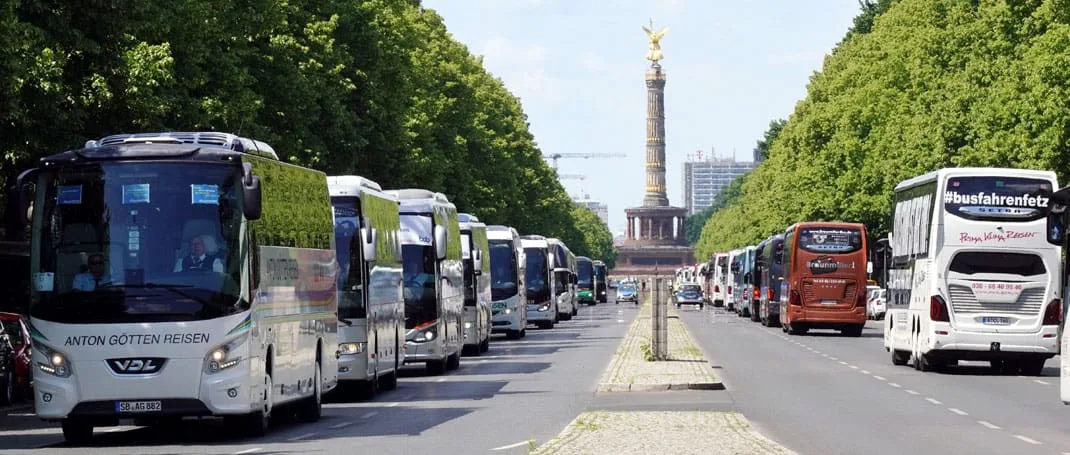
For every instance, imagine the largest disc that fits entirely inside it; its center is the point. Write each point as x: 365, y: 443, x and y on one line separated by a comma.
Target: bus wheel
x: 513, y: 334
x: 853, y: 331
x: 389, y: 381
x: 453, y: 362
x: 900, y: 358
x: 77, y: 432
x: 485, y: 345
x: 312, y: 408
x: 1032, y: 367
x: 436, y: 367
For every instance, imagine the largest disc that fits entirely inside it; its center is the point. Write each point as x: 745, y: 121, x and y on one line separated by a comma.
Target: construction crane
x: 579, y: 177
x: 555, y: 156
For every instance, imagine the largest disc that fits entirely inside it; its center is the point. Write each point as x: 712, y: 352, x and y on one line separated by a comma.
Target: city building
x: 595, y: 206
x: 705, y: 179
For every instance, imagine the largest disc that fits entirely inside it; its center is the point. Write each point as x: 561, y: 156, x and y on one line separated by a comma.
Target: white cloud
x: 790, y: 58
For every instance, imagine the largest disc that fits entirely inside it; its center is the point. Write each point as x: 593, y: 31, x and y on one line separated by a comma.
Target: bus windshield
x: 585, y: 272
x: 830, y: 240
x: 347, y: 251
x: 137, y: 242
x: 600, y: 273
x: 502, y: 270
x: 537, y: 278
x: 996, y: 198
x: 421, y: 302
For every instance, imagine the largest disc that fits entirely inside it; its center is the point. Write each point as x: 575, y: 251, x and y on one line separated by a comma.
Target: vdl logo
x: 146, y: 365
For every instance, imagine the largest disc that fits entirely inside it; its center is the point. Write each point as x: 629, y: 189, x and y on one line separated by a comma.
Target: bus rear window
x: 830, y: 240
x: 974, y: 262
x: 997, y: 198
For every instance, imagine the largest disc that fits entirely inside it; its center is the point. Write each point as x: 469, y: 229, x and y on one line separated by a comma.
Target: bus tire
x: 513, y: 334
x: 389, y: 381
x: 436, y: 367
x: 77, y: 432
x: 453, y: 362
x: 485, y: 345
x: 1032, y: 366
x: 312, y: 409
x: 900, y: 358
x: 855, y: 331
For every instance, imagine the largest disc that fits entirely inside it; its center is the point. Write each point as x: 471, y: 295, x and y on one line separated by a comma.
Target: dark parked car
x: 16, y: 376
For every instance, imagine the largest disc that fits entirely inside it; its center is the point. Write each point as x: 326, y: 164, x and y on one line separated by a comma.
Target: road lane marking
x: 369, y: 415
x: 833, y: 358
x: 511, y: 446
x: 341, y: 425
x: 879, y: 378
x: 958, y: 411
x: 865, y: 371
x: 392, y: 404
x: 854, y: 367
x: 933, y: 400
x: 440, y: 380
x: 988, y: 425
x: 911, y: 392
x: 1038, y: 381
x: 843, y: 363
x: 1029, y: 440
x: 894, y: 385
x: 254, y: 449
x: 298, y: 438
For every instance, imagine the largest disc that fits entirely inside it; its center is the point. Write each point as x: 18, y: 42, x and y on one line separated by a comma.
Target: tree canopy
x: 377, y: 88
x: 917, y: 85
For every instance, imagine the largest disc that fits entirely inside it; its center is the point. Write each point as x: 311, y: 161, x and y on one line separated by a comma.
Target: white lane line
x: 440, y: 380
x: 510, y: 446
x: 484, y: 361
x: 843, y: 363
x: 988, y: 425
x: 369, y: 415
x: 879, y: 378
x: 833, y: 358
x: 894, y: 385
x: 865, y: 371
x: 1038, y: 381
x: 958, y: 411
x: 341, y: 425
x: 911, y: 392
x: 241, y: 452
x: 816, y: 351
x: 1029, y: 440
x: 298, y: 438
x: 854, y: 367
x: 392, y: 404
x: 933, y: 400
x: 824, y: 355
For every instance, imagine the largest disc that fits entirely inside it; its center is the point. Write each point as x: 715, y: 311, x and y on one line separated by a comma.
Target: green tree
x: 598, y: 241
x: 930, y: 84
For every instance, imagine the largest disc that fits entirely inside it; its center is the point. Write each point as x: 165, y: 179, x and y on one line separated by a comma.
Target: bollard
x: 659, y: 321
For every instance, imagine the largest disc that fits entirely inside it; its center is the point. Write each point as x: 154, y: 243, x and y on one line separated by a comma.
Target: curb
x: 618, y: 387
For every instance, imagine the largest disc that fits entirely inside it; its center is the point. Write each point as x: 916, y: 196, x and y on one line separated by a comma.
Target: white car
x: 876, y: 306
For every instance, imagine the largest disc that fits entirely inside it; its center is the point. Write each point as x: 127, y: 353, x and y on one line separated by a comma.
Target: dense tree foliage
x: 598, y: 241
x: 933, y: 83
x: 377, y: 88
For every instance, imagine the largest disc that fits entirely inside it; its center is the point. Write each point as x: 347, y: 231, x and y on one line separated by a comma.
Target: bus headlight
x: 508, y: 311
x: 351, y: 348
x: 56, y: 364
x: 225, y: 356
x: 545, y: 307
x: 468, y: 325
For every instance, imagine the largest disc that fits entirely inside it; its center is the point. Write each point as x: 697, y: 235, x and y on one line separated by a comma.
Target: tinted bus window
x: 830, y: 240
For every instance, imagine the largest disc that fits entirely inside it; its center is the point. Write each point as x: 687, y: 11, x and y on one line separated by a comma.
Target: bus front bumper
x: 507, y: 317
x: 353, y: 367
x: 186, y: 391
x: 546, y: 313
x: 427, y: 351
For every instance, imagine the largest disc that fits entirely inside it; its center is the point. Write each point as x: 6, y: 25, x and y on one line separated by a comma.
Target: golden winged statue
x: 654, y: 53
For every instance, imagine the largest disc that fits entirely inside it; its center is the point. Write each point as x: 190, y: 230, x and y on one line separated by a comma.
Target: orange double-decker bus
x: 825, y: 278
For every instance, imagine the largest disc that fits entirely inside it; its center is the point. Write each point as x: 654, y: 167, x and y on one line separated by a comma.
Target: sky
x: 578, y: 65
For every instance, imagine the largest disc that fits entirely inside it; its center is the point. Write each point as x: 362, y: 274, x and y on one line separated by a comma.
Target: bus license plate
x: 829, y: 302
x: 138, y: 406
x: 996, y: 320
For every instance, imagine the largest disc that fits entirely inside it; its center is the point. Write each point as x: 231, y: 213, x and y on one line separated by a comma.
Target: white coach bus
x: 972, y: 276
x: 477, y: 298
x: 434, y: 279
x: 508, y: 267
x: 371, y: 309
x: 179, y: 274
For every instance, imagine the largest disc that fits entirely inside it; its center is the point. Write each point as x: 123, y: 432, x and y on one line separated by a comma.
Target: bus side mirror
x: 869, y: 267
x: 1056, y: 230
x: 250, y: 193
x: 440, y: 242
x: 25, y: 191
x: 477, y: 262
x: 369, y: 237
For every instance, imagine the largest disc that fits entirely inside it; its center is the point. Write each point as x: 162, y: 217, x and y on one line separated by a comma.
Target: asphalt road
x: 823, y: 393
x: 520, y: 390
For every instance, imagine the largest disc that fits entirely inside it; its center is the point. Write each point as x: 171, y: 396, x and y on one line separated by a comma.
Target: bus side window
x: 254, y: 262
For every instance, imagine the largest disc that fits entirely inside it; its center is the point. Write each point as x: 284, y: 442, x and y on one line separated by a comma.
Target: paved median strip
x: 644, y: 432
x: 630, y: 371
